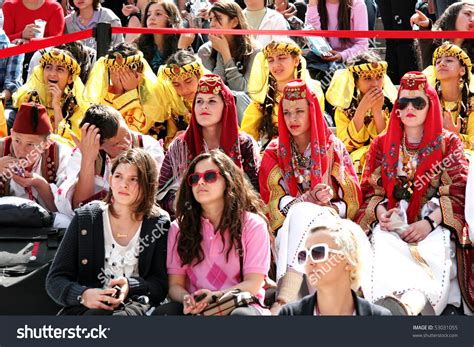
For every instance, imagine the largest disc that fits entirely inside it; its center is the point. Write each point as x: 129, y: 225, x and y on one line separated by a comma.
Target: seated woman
x: 55, y: 84
x: 451, y: 76
x: 181, y: 75
x: 273, y: 68
x: 363, y: 96
x: 213, y: 125
x: 220, y: 239
x: 124, y: 80
x: 229, y: 56
x: 157, y: 48
x: 413, y: 188
x: 101, y: 267
x: 86, y: 15
x: 335, y: 255
x: 306, y: 163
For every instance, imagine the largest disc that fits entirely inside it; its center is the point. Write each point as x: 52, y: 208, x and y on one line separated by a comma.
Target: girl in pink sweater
x: 339, y: 15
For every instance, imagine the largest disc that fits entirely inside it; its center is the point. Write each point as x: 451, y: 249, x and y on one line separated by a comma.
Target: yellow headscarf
x: 151, y: 94
x: 341, y: 89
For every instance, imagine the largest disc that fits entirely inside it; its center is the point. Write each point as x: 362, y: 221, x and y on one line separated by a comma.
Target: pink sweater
x: 358, y: 22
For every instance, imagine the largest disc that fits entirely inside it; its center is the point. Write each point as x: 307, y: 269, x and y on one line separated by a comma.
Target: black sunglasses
x: 418, y: 103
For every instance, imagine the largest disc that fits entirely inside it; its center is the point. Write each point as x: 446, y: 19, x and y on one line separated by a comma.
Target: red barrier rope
x: 36, y: 45
x: 381, y: 34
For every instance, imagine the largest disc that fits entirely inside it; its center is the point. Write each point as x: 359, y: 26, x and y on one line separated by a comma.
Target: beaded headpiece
x: 116, y: 61
x: 281, y: 48
x: 60, y: 57
x: 413, y: 81
x: 295, y: 90
x: 173, y: 71
x: 378, y: 69
x: 210, y: 84
x: 450, y: 50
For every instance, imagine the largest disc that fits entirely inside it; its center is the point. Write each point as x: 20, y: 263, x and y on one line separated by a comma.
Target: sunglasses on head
x: 418, y: 103
x: 210, y: 176
x: 318, y: 253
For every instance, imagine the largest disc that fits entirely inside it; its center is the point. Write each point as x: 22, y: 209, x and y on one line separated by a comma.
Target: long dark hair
x: 239, y: 197
x: 447, y: 21
x: 146, y: 42
x: 147, y: 182
x: 243, y: 46
x: 343, y: 17
x: 266, y: 126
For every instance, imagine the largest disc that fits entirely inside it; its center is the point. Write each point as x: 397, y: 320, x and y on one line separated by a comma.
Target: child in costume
x: 363, y: 96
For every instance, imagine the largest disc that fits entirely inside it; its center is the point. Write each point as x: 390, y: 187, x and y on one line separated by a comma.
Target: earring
x: 397, y: 112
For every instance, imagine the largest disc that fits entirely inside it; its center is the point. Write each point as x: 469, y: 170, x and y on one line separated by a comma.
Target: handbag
x: 231, y: 300
x: 19, y: 212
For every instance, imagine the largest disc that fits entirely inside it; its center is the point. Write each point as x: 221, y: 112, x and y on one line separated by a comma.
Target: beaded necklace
x: 301, y: 165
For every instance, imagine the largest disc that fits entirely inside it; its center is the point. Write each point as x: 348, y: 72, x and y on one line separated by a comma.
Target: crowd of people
x: 318, y: 177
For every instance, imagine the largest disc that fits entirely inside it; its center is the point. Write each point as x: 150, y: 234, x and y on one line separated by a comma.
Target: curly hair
x: 147, y: 181
x: 243, y: 45
x: 146, y: 42
x: 239, y: 197
x: 266, y: 126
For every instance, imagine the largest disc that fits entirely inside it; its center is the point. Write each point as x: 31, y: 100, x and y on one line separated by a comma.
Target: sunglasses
x: 210, y: 176
x: 318, y: 253
x: 418, y: 103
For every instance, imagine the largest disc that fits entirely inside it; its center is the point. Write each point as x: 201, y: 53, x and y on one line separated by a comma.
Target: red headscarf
x: 429, y: 150
x: 294, y: 90
x: 229, y: 142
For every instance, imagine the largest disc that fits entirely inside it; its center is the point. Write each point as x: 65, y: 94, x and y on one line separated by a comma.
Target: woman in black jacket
x: 112, y: 260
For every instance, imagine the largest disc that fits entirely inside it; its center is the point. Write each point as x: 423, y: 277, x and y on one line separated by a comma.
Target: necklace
x: 301, y: 164
x: 458, y: 107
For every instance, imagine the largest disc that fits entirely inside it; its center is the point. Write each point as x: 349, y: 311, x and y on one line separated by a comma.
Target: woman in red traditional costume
x: 213, y: 124
x: 413, y: 186
x: 306, y: 163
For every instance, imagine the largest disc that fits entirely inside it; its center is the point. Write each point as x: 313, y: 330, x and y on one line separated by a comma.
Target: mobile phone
x: 199, y: 297
x: 118, y: 291
x: 19, y: 171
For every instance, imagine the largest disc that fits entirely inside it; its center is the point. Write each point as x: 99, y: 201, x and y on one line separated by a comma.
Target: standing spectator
x: 116, y: 6
x: 86, y: 15
x: 135, y: 13
x: 20, y: 16
x: 263, y: 18
x: 442, y: 5
x: 401, y: 53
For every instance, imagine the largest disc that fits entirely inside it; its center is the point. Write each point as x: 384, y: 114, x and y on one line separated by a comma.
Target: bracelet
x: 432, y: 222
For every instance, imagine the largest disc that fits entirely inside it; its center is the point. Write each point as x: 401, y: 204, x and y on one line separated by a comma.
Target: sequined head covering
x: 173, y: 71
x: 378, y: 69
x: 116, y: 61
x: 450, y: 50
x: 281, y: 48
x: 60, y: 57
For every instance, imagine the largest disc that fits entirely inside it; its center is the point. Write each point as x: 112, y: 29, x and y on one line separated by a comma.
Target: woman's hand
x: 323, y: 194
x: 220, y: 44
x: 30, y: 31
x: 384, y: 217
x: 185, y: 40
x: 130, y: 79
x: 122, y: 282
x: 449, y: 124
x: 55, y: 94
x: 100, y: 299
x: 419, y: 19
x: 128, y: 10
x: 417, y: 231
x: 116, y: 87
x: 193, y: 306
x: 334, y: 56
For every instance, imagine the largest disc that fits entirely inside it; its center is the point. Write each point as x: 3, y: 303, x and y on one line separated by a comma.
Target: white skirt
x: 428, y: 266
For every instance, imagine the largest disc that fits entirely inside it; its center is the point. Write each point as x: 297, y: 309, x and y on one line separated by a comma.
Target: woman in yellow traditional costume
x: 273, y: 68
x: 451, y: 76
x: 55, y: 84
x: 363, y: 96
x: 124, y: 80
x: 180, y: 76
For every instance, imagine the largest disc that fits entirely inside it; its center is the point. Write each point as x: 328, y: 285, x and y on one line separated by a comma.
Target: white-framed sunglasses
x: 318, y: 253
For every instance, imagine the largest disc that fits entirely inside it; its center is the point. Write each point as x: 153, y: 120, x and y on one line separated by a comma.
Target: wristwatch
x: 433, y: 224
